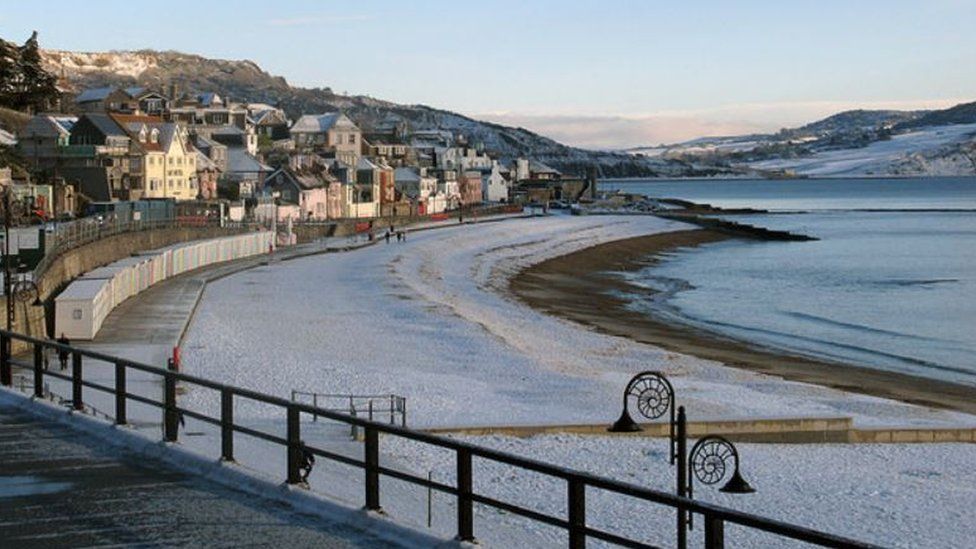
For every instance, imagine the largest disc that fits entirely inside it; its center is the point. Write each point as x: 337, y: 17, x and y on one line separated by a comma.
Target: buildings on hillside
x: 133, y: 143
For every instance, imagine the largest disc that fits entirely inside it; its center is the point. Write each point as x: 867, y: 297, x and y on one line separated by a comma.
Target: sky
x: 594, y: 73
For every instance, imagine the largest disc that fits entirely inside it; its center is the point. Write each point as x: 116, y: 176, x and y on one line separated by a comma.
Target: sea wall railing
x: 714, y: 517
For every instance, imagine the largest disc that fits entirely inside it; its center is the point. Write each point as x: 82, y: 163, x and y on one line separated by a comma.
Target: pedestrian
x: 387, y: 236
x: 307, y: 461
x: 399, y: 236
x: 63, y: 353
x: 404, y: 235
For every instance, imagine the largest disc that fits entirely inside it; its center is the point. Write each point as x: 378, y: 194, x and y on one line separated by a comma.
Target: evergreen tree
x: 38, y: 88
x: 9, y: 73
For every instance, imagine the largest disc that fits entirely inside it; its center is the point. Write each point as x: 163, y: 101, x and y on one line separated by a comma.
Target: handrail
x: 714, y: 515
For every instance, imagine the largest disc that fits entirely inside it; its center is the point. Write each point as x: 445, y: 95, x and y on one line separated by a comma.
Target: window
x: 76, y: 314
x: 352, y: 138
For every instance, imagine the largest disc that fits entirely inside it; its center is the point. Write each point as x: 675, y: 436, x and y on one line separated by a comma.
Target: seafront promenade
x: 62, y: 488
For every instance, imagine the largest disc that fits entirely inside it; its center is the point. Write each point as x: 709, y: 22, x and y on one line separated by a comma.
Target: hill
x: 850, y: 143
x: 246, y: 81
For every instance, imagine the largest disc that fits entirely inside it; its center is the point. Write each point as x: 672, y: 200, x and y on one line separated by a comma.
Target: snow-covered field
x: 430, y: 319
x: 883, y: 157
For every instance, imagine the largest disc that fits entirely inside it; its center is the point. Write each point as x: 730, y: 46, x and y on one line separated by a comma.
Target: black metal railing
x: 372, y: 407
x: 574, y: 522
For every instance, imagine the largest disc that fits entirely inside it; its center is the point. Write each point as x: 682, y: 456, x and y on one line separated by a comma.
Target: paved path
x: 59, y: 488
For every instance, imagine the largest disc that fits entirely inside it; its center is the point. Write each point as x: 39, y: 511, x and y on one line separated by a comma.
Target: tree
x: 38, y: 88
x: 9, y: 73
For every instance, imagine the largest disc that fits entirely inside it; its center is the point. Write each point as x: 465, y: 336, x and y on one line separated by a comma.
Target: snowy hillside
x: 938, y: 150
x: 851, y: 143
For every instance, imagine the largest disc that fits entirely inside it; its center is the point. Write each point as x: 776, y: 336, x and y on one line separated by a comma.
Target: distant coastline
x: 579, y: 287
x: 753, y: 177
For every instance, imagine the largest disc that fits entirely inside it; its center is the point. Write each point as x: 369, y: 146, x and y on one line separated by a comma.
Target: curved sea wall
x: 83, y: 306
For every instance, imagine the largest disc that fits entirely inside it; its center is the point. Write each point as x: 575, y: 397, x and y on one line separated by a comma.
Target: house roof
x: 94, y: 94
x: 538, y: 167
x: 134, y: 91
x: 133, y: 123
x: 208, y: 99
x: 320, y: 123
x: 106, y: 124
x: 406, y: 174
x: 204, y: 162
x: 239, y: 161
x: 365, y: 164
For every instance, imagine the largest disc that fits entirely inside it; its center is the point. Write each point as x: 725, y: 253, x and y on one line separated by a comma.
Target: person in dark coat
x: 307, y: 462
x: 63, y: 354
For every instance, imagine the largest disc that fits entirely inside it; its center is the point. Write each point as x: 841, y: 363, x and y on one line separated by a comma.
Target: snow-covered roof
x: 321, y: 123
x: 134, y: 91
x: 94, y: 94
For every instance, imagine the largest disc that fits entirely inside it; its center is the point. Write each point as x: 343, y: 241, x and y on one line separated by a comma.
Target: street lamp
x: 709, y: 459
x: 655, y: 396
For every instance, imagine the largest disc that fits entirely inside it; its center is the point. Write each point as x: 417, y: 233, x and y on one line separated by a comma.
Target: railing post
x: 226, y: 425
x: 392, y: 410
x: 38, y: 370
x: 170, y: 415
x: 6, y: 371
x: 577, y: 514
x: 465, y: 505
x: 76, y: 400
x: 682, y: 481
x: 294, y: 446
x: 372, y: 469
x: 714, y: 532
x: 120, y: 394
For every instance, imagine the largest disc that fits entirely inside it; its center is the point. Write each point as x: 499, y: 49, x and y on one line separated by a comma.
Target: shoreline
x: 576, y: 287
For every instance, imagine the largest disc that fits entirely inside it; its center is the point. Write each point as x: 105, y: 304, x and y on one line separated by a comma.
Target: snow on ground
x: 892, y: 495
x: 429, y: 319
x: 878, y: 158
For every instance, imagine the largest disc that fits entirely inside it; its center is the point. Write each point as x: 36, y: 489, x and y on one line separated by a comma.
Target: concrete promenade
x: 60, y: 487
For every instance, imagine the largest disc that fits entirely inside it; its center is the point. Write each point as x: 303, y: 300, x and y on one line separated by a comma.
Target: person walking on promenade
x: 63, y: 354
x: 387, y: 235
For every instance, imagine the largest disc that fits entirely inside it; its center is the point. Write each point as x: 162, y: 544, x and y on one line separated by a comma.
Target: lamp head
x: 625, y: 424
x: 737, y: 485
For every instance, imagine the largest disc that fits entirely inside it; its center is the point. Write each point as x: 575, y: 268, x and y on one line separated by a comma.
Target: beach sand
x: 578, y: 287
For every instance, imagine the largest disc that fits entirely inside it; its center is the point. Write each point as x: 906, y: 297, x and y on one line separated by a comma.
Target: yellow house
x: 168, y: 166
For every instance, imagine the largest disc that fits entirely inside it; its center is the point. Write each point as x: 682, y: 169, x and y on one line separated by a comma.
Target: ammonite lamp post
x: 709, y: 463
x: 655, y: 396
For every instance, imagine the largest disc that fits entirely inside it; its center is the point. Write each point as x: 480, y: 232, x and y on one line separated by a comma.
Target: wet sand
x: 577, y: 287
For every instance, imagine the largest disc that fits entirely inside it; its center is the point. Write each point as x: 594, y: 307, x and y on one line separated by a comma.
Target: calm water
x: 890, y: 289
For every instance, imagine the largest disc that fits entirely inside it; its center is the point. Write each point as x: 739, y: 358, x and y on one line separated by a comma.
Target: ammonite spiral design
x: 652, y: 393
x: 710, y: 461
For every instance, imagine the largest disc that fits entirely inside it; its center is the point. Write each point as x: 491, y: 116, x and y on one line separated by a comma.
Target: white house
x: 494, y: 187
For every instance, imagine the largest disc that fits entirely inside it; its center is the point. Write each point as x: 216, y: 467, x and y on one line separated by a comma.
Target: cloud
x: 316, y: 20
x: 615, y: 131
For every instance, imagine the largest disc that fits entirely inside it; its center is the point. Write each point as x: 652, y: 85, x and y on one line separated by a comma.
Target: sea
x: 890, y: 284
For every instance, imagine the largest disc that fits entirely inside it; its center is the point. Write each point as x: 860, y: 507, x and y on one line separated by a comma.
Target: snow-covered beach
x: 432, y: 319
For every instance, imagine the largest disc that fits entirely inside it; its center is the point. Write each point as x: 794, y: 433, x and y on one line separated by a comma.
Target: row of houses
x: 136, y: 143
